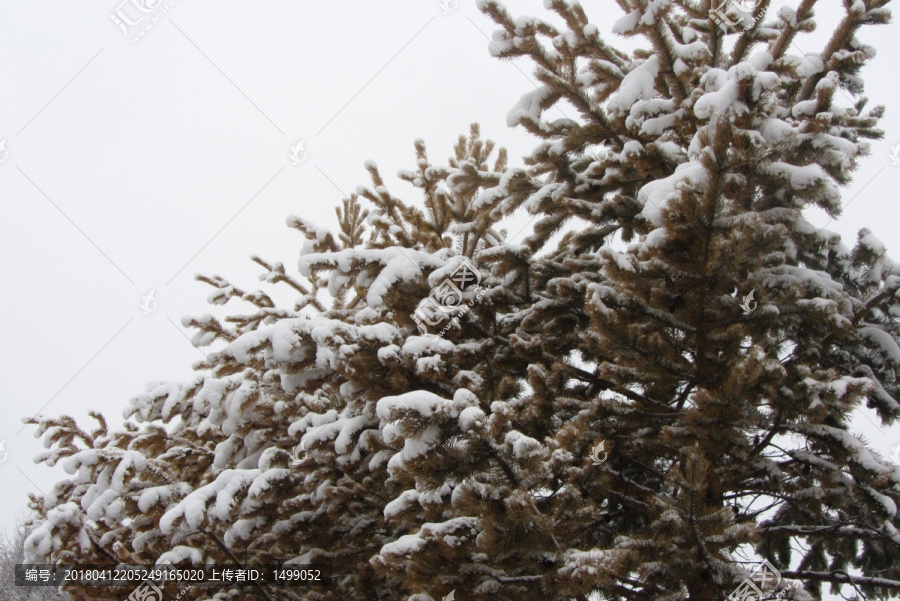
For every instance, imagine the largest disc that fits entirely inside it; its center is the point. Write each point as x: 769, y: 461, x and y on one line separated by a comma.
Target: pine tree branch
x: 661, y: 36
x: 743, y: 45
x: 587, y: 376
x: 776, y: 427
x: 867, y: 306
x: 514, y: 579
x: 841, y: 577
x: 631, y: 593
x: 833, y: 530
x: 100, y: 548
x: 507, y: 471
x: 804, y: 11
x: 843, y: 34
x: 276, y: 273
x: 680, y: 400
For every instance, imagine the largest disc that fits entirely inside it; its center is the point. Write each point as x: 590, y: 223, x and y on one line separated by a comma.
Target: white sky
x: 133, y: 166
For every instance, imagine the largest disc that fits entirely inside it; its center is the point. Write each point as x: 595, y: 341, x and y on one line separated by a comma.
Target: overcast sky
x: 131, y: 166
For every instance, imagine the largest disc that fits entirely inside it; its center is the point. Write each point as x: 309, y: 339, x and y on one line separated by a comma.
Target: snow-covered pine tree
x: 464, y: 461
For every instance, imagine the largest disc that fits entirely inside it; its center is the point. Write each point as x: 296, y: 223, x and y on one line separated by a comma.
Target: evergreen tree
x: 612, y: 415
